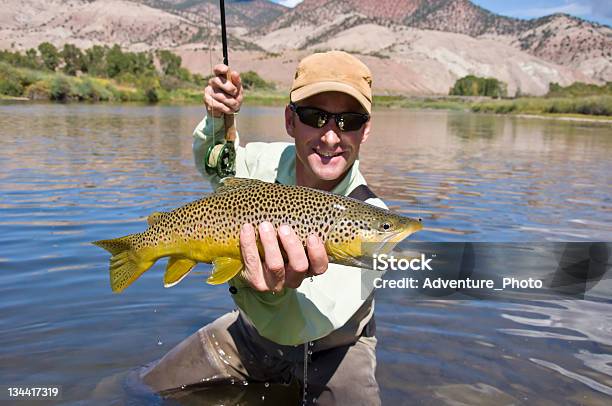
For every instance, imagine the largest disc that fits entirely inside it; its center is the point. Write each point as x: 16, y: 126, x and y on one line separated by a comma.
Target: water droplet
x: 267, y: 385
x: 154, y: 310
x: 232, y: 381
x: 311, y: 343
x: 245, y: 383
x: 182, y: 386
x: 263, y: 398
x: 309, y: 352
x: 159, y: 341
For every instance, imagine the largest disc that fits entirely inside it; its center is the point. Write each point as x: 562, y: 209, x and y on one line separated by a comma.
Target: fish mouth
x: 389, y: 242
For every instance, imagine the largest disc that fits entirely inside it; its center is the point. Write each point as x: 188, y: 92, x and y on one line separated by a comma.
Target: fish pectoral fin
x: 224, y: 269
x: 176, y: 270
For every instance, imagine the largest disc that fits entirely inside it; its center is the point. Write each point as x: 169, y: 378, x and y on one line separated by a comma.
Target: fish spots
x: 218, y: 218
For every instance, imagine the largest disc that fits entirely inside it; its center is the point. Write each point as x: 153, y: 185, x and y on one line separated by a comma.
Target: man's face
x: 325, y: 154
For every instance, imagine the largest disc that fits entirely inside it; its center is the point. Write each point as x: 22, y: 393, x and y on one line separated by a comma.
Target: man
x: 304, y: 306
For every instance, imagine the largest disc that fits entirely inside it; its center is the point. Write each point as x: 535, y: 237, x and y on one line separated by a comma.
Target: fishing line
x: 212, y: 73
x: 220, y: 158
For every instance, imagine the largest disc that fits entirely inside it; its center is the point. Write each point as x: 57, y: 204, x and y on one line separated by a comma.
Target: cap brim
x: 320, y: 87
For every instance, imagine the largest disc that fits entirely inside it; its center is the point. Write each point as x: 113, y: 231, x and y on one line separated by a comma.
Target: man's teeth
x: 329, y: 154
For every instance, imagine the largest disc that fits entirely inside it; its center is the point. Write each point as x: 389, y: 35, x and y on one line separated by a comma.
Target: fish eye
x: 386, y: 226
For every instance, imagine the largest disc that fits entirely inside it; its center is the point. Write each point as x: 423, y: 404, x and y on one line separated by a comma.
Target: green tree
x: 50, y: 56
x: 141, y: 63
x: 169, y: 62
x: 31, y: 59
x: 73, y: 59
x: 94, y: 60
x: 115, y: 61
x: 476, y: 86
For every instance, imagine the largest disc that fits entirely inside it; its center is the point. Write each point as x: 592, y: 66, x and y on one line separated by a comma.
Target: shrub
x: 61, y: 89
x: 151, y: 95
x: 251, y: 80
x: 10, y: 86
x: 38, y: 91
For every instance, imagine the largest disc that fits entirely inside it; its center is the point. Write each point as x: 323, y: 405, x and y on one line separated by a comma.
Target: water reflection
x: 71, y: 174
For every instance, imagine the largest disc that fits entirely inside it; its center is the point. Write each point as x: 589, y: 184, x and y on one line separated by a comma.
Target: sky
x: 593, y: 10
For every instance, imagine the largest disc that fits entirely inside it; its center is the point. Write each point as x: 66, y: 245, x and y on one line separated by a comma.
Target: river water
x: 72, y: 174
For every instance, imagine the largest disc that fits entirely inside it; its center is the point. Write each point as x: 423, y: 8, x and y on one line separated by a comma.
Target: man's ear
x: 366, y: 131
x: 289, y: 121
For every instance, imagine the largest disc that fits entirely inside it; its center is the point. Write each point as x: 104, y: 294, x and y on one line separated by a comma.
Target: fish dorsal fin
x: 224, y: 269
x: 155, y: 217
x: 176, y: 270
x: 232, y: 183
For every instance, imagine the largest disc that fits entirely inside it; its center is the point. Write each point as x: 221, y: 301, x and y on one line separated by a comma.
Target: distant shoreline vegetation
x: 103, y: 73
x: 577, y: 98
x: 488, y: 95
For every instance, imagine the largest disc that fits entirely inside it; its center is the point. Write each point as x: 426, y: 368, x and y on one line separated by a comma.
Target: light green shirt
x: 321, y: 304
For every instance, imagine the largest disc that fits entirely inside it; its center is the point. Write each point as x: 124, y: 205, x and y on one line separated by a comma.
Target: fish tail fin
x: 126, y: 265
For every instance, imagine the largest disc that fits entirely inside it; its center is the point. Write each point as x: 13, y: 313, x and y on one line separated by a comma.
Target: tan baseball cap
x: 333, y: 71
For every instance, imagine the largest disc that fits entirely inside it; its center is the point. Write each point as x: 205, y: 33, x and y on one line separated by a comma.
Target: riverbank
x: 591, y: 108
x: 21, y: 84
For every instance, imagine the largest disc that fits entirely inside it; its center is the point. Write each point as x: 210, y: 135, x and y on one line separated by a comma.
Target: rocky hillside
x: 418, y: 46
x: 559, y: 38
x: 26, y: 23
x: 571, y: 42
x: 239, y: 14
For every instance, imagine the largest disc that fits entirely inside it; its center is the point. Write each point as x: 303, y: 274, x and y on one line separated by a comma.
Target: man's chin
x: 330, y: 171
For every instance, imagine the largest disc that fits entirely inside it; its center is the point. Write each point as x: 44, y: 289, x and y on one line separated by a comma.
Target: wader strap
x: 363, y: 193
x: 370, y: 329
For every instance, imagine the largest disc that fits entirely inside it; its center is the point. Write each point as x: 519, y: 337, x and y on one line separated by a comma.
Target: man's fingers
x: 220, y: 69
x: 317, y: 255
x: 219, y: 102
x: 221, y: 83
x: 223, y: 98
x: 218, y: 109
x: 298, y: 261
x: 274, y: 270
x: 236, y: 80
x: 253, y: 271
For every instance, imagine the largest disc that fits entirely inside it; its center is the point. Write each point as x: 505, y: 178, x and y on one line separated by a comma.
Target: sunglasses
x: 317, y: 118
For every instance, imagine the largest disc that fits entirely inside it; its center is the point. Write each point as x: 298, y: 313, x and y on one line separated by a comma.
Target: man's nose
x: 330, y: 137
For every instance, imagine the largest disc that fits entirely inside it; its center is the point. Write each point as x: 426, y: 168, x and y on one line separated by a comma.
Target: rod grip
x: 230, y: 123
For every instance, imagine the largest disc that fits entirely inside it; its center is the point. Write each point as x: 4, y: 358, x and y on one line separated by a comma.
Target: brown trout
x: 208, y: 230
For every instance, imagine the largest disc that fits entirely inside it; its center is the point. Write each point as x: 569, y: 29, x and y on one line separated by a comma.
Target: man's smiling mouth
x: 326, y: 154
